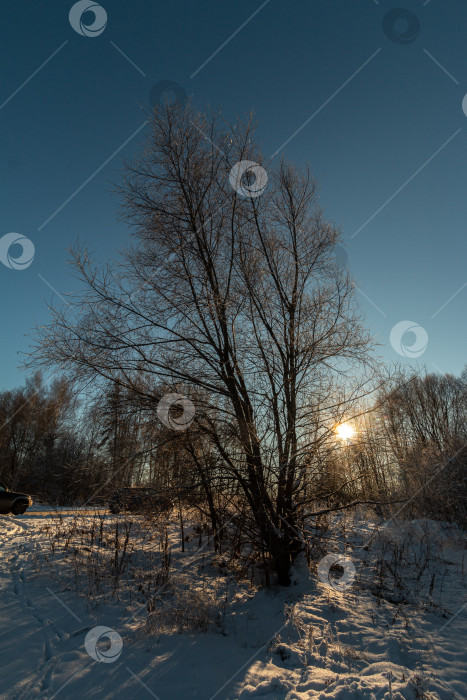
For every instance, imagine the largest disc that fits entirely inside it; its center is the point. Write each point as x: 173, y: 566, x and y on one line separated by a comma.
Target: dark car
x: 137, y: 499
x: 12, y: 502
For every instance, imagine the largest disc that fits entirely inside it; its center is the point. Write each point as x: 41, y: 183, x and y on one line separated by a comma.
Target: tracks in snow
x: 16, y: 551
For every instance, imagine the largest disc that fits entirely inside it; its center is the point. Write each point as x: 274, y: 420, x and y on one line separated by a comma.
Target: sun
x: 344, y: 431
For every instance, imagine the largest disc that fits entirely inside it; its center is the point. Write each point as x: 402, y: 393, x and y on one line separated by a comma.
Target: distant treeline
x: 409, y: 448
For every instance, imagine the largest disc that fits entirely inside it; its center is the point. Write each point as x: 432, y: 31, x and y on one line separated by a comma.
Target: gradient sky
x: 388, y: 129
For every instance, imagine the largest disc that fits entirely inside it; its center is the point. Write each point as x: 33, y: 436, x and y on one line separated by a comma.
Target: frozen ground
x: 397, y: 632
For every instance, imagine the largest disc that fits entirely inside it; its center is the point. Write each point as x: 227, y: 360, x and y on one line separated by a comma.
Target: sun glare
x: 344, y: 431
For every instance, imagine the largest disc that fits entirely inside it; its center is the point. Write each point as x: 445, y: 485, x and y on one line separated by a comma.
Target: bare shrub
x: 184, y: 606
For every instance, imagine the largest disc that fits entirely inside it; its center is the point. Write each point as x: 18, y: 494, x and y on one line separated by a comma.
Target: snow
x: 404, y: 638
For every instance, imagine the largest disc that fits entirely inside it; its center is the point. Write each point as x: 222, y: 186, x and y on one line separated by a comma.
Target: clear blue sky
x: 400, y: 113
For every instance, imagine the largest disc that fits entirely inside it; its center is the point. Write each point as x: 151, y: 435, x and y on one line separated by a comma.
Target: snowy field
x: 398, y: 630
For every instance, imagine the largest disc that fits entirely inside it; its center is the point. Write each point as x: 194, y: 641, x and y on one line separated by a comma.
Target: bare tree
x: 426, y: 424
x: 235, y: 297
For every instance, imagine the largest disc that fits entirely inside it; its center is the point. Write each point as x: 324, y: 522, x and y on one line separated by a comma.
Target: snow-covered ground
x: 397, y: 631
